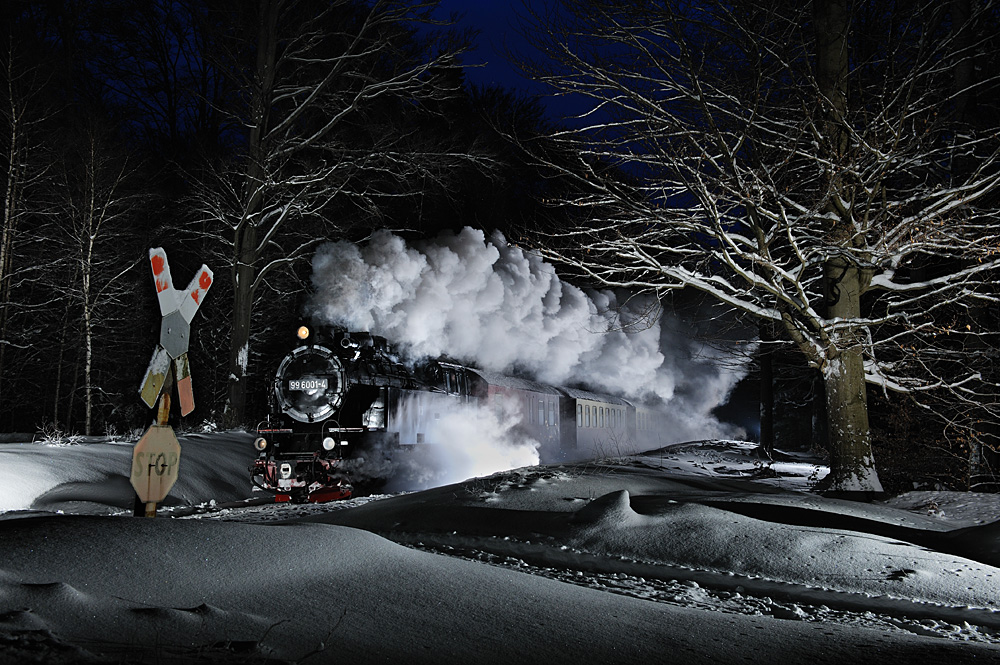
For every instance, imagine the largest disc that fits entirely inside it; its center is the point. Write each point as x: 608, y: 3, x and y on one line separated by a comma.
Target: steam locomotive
x: 344, y: 401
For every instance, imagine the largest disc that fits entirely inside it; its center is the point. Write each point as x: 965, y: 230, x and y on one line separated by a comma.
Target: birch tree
x: 25, y: 111
x: 800, y: 163
x: 93, y: 232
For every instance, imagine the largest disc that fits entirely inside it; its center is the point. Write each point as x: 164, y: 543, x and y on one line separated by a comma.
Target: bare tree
x: 24, y: 111
x: 798, y: 163
x: 95, y: 201
x: 318, y: 105
x: 151, y: 56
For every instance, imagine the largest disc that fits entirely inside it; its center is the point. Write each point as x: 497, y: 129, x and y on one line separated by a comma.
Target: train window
x: 552, y: 412
x: 453, y: 382
x: 374, y: 417
x: 541, y: 413
x: 579, y: 415
x: 586, y: 413
x: 600, y: 415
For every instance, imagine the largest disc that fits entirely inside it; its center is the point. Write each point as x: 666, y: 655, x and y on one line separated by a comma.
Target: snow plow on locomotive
x: 346, y: 411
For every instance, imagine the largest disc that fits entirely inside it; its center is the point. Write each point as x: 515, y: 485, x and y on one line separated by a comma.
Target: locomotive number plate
x: 307, y: 384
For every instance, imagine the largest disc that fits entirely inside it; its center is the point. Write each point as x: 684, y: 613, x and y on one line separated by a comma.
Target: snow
x: 698, y: 552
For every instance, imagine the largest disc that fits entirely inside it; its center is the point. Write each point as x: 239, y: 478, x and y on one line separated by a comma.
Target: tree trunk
x: 852, y: 464
x: 245, y: 239
x: 87, y: 297
x: 239, y: 341
x: 11, y: 202
x: 766, y: 359
x: 88, y: 339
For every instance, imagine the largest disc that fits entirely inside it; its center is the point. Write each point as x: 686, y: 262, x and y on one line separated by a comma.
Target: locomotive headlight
x: 329, y: 443
x: 302, y: 332
x: 260, y: 443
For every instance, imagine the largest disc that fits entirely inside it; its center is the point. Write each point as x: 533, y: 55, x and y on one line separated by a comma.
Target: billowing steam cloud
x: 467, y: 442
x: 494, y: 305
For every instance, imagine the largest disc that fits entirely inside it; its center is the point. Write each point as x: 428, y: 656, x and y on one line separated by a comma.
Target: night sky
x: 497, y: 22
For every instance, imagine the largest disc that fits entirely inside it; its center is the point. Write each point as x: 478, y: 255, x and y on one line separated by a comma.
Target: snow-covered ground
x: 694, y: 553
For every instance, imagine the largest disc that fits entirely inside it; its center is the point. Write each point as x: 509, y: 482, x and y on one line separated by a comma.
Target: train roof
x: 579, y: 393
x: 505, y: 381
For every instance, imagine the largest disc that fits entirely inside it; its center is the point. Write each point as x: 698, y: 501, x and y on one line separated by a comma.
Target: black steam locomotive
x: 343, y: 400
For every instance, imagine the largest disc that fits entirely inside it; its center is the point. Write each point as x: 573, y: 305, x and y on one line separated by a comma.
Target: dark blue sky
x: 497, y: 22
x: 498, y: 28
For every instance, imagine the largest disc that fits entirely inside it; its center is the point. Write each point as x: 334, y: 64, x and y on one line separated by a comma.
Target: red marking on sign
x: 162, y: 285
x: 158, y: 263
x: 186, y: 394
x: 204, y: 281
x: 194, y: 294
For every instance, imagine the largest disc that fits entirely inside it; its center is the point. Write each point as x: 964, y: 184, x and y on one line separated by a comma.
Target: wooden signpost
x: 156, y: 456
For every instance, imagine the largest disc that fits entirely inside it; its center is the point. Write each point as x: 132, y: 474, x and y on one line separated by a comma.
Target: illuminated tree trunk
x: 766, y: 360
x: 239, y: 348
x: 852, y: 462
x: 245, y: 250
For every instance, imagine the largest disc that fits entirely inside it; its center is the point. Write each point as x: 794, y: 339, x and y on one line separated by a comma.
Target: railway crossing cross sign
x: 156, y: 457
x: 177, y: 309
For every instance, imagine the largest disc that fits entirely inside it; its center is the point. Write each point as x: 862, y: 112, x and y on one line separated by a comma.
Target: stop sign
x: 155, y: 461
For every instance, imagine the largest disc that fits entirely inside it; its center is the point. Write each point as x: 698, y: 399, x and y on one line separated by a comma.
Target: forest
x: 829, y: 170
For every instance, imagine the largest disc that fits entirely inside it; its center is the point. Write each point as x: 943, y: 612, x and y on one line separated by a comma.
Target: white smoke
x: 491, y: 304
x: 466, y: 440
